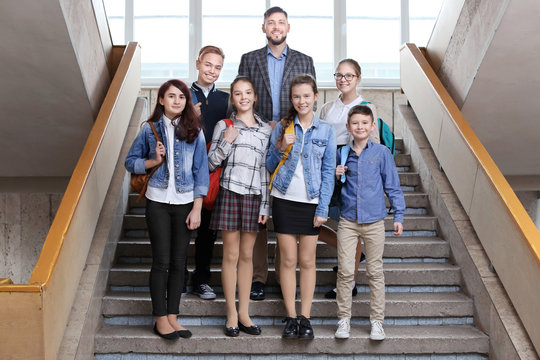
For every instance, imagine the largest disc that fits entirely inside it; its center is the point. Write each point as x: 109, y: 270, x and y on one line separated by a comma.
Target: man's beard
x: 275, y: 43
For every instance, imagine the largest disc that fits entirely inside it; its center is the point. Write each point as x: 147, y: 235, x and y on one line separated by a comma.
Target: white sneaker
x: 377, y: 331
x: 344, y: 328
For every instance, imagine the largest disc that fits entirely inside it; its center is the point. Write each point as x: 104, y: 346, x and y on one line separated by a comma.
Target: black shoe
x: 332, y: 294
x: 170, y: 336
x: 257, y: 291
x: 232, y: 331
x: 251, y: 330
x: 291, y: 328
x: 184, y: 334
x: 305, y: 331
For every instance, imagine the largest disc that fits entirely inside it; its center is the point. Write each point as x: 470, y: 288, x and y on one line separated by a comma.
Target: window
x: 235, y: 28
x: 374, y: 37
x: 171, y: 32
x: 162, y: 29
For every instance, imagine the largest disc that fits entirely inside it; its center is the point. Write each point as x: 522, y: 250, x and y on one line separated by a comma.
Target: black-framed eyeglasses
x: 347, y: 77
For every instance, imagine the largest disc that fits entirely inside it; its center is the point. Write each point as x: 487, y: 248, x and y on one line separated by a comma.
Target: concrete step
x: 403, y: 160
x: 393, y: 248
x: 463, y: 340
x: 410, y: 223
x: 398, y: 305
x: 426, y: 274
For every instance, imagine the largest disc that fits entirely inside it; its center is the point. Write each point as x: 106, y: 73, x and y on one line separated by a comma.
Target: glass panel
x: 374, y: 36
x: 162, y: 29
x: 235, y: 28
x: 423, y: 14
x: 312, y: 32
x: 115, y: 11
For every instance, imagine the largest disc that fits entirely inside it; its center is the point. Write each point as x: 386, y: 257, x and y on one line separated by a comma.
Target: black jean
x: 204, y: 249
x: 169, y: 237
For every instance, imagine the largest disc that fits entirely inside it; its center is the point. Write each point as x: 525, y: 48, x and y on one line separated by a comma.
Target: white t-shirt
x: 335, y: 112
x: 169, y: 195
x: 297, y: 190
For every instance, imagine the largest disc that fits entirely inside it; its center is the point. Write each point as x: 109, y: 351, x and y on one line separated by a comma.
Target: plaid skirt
x: 235, y: 212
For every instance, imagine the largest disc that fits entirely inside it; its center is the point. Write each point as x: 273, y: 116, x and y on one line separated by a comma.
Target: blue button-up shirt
x: 368, y: 177
x: 275, y: 72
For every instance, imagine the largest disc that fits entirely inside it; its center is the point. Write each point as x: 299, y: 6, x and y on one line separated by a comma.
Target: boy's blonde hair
x: 210, y: 49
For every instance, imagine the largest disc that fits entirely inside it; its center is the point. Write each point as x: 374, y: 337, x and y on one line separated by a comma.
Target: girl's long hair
x: 188, y: 125
x: 291, y: 114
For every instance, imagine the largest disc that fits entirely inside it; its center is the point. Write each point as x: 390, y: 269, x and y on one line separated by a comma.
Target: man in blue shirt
x: 271, y: 70
x: 370, y: 172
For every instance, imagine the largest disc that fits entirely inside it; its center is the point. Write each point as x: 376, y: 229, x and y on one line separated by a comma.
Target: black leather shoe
x: 184, y: 334
x: 257, y: 291
x: 332, y: 294
x: 251, y: 330
x: 232, y: 331
x: 170, y: 336
x: 305, y: 331
x: 291, y: 328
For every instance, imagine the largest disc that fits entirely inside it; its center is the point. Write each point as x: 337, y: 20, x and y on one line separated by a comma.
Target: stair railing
x: 33, y: 316
x: 506, y: 231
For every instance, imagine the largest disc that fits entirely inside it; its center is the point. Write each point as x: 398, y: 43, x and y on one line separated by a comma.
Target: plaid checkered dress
x: 244, y: 167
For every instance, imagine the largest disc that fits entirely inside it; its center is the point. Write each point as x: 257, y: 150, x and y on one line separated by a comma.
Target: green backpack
x: 385, y: 134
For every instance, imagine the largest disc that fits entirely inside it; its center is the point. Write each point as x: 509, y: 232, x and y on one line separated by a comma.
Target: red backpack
x: 213, y: 188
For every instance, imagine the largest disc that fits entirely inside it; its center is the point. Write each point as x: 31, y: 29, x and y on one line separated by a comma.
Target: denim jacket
x: 190, y: 160
x: 318, y: 158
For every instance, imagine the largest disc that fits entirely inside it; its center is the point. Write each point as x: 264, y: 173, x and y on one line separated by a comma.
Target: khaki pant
x: 348, y: 235
x: 260, y: 258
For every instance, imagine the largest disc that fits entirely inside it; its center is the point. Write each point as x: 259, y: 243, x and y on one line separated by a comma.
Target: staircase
x: 428, y: 316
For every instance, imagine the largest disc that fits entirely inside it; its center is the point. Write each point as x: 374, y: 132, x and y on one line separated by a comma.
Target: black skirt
x: 291, y: 217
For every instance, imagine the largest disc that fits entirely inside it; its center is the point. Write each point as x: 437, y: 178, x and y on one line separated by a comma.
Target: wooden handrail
x: 497, y: 179
x: 52, y: 246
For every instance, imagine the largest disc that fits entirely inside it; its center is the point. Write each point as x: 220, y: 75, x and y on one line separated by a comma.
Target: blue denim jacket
x: 318, y: 158
x: 190, y: 160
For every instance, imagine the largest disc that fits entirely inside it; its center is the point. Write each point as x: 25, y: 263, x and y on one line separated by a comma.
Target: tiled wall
x: 386, y: 100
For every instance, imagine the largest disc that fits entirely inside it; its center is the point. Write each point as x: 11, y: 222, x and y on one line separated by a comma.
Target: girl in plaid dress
x: 242, y: 202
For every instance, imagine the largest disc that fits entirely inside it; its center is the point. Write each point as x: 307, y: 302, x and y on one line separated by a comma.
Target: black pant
x: 204, y: 249
x: 169, y: 237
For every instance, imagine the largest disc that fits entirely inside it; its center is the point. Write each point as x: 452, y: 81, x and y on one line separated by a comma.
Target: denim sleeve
x: 201, y: 178
x: 220, y: 149
x: 391, y: 185
x: 274, y: 155
x: 138, y: 153
x: 328, y: 174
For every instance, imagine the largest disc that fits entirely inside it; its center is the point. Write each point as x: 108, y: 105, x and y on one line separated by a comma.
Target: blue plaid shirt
x: 368, y: 177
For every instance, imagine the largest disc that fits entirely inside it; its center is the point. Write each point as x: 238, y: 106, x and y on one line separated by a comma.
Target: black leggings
x: 169, y: 237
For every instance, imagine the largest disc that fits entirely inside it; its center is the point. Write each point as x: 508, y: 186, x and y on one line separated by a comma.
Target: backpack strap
x: 288, y: 130
x: 344, y: 154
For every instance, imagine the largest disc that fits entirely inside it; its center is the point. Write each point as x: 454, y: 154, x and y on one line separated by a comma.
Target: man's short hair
x: 362, y: 110
x: 273, y: 10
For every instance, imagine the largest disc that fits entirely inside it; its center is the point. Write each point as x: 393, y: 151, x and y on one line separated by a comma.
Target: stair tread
x: 126, y: 241
x: 404, y: 266
x: 211, y: 340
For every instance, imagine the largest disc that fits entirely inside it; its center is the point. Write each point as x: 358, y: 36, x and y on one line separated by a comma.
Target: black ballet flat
x: 251, y: 330
x: 232, y: 331
x: 170, y: 336
x: 184, y: 334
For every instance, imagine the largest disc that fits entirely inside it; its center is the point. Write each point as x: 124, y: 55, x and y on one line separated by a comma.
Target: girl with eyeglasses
x: 348, y: 76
